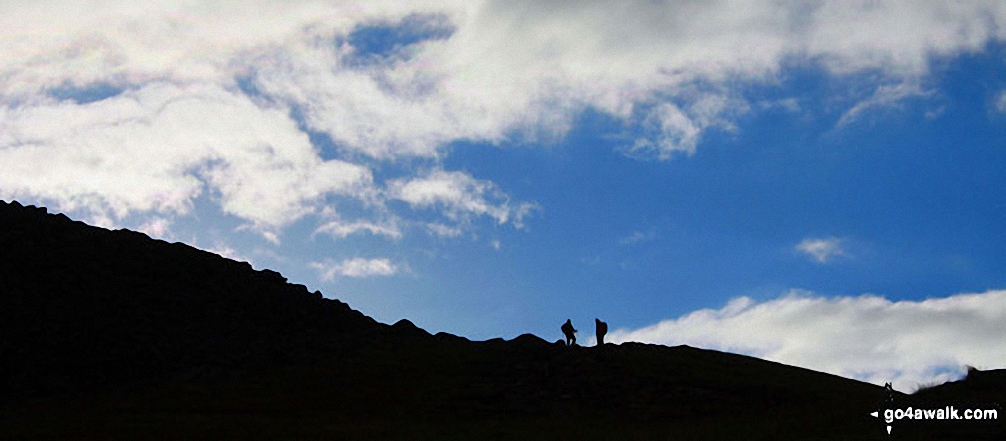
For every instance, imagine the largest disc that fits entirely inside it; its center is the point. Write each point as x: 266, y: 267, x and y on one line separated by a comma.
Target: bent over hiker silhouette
x: 569, y: 332
x: 601, y: 329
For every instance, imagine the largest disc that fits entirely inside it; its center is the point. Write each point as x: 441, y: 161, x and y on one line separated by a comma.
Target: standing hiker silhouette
x: 601, y: 328
x: 569, y: 332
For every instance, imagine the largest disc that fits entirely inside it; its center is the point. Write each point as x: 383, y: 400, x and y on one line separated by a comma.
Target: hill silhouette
x: 113, y: 335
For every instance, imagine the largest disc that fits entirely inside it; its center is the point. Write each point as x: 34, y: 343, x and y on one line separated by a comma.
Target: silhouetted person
x: 601, y: 328
x: 569, y: 332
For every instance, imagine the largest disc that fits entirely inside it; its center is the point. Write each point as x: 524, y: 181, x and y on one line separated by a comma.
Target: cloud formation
x: 886, y: 96
x: 342, y: 229
x: 356, y: 267
x: 822, y: 250
x: 119, y: 108
x: 460, y: 196
x: 442, y: 230
x: 157, y: 148
x: 868, y: 337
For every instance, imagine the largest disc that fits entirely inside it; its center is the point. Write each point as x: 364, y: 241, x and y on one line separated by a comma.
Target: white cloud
x: 52, y: 43
x: 183, y: 125
x: 270, y: 236
x: 791, y: 105
x: 822, y: 250
x: 443, y: 230
x: 867, y: 337
x: 1001, y: 104
x: 886, y: 96
x: 506, y: 67
x: 157, y: 228
x: 356, y: 267
x: 676, y: 130
x: 340, y: 229
x: 157, y: 148
x: 460, y: 196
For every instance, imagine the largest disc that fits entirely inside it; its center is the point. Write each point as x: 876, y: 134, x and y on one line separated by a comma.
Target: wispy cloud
x: 822, y: 250
x: 271, y: 237
x: 460, y: 196
x: 867, y: 337
x: 791, y: 105
x: 341, y: 229
x: 673, y: 129
x: 886, y: 96
x: 443, y: 230
x: 637, y: 237
x: 1001, y: 103
x: 356, y: 267
x: 157, y: 228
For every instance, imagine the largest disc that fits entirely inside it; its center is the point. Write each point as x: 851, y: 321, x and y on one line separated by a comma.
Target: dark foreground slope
x: 112, y: 335
x: 83, y: 307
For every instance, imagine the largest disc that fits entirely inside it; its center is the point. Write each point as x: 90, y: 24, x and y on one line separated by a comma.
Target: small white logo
x: 876, y: 414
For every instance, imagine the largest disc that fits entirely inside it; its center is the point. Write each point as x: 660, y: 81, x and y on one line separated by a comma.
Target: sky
x: 818, y: 183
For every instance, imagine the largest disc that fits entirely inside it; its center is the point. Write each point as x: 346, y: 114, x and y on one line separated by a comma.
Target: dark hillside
x: 84, y: 307
x: 985, y: 390
x: 113, y: 335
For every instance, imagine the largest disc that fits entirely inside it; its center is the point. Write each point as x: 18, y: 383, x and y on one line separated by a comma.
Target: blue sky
x: 817, y: 183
